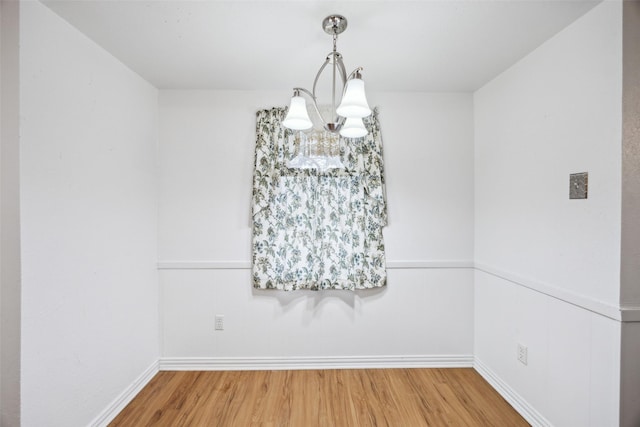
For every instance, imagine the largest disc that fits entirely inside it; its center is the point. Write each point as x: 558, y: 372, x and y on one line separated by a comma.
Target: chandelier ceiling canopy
x: 346, y: 118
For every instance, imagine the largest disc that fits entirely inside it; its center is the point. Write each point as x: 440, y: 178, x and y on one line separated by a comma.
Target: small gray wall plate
x: 578, y: 185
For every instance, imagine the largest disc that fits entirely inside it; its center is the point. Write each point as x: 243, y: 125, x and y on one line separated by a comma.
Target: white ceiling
x: 403, y: 45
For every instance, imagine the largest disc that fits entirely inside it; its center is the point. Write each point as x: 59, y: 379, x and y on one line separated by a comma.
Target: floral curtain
x: 317, y: 228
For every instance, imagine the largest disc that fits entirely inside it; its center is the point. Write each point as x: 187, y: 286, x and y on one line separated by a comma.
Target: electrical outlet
x: 522, y: 354
x: 219, y: 322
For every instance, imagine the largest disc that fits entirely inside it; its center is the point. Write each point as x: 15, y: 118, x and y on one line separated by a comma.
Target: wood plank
x: 350, y: 397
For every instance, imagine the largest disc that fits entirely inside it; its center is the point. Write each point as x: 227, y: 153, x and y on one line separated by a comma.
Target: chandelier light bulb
x: 297, y: 117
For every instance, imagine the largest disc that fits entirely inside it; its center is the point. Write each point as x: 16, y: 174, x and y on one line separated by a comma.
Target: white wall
x: 206, y: 152
x: 9, y: 217
x: 554, y: 113
x: 549, y: 267
x: 89, y: 207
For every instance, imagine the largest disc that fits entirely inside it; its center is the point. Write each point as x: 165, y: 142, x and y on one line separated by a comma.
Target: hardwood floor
x: 367, y: 397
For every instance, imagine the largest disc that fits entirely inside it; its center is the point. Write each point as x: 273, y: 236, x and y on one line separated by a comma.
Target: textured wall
x: 9, y: 216
x: 630, y: 247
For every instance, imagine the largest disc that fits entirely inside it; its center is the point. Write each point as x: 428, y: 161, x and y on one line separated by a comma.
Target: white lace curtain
x: 317, y: 228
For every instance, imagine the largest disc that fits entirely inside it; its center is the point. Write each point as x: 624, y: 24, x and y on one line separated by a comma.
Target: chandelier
x: 346, y: 119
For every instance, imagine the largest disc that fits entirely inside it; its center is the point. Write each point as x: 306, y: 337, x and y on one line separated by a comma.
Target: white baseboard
x: 119, y: 403
x: 340, y: 362
x: 523, y: 407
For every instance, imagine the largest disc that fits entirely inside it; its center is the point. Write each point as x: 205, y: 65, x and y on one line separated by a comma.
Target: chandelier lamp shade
x: 297, y: 116
x: 346, y: 118
x: 353, y: 127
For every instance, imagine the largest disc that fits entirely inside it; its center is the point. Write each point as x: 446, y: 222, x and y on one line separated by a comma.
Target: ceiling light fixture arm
x: 335, y: 59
